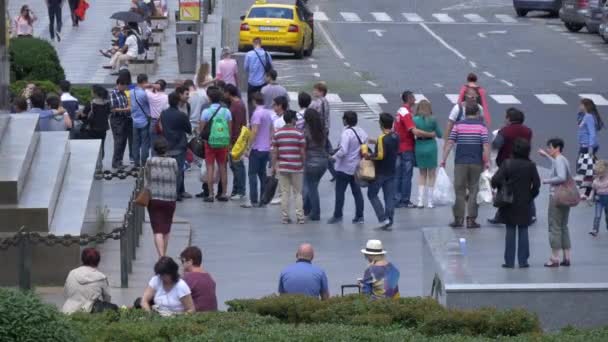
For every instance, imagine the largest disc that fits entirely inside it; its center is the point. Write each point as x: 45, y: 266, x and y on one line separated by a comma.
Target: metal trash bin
x: 192, y: 26
x: 187, y: 43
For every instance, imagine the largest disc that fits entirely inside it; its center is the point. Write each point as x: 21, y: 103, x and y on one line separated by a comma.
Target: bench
x: 144, y: 64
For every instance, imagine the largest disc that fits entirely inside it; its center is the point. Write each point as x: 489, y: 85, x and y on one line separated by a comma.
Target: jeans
x: 466, y: 179
x: 291, y: 182
x: 54, y: 15
x: 330, y: 162
x: 387, y: 184
x: 312, y: 203
x: 181, y: 161
x: 342, y: 181
x: 405, y: 170
x: 73, y: 6
x: 258, y: 160
x: 153, y: 135
x: 601, y: 204
x: 523, y: 246
x: 239, y: 179
x: 141, y: 145
x: 122, y: 131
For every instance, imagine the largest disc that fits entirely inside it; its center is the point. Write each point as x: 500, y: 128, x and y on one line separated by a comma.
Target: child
x: 600, y: 186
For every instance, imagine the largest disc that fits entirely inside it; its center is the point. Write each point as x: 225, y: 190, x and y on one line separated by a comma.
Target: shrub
x: 23, y: 317
x: 16, y: 88
x: 34, y: 59
x: 83, y: 94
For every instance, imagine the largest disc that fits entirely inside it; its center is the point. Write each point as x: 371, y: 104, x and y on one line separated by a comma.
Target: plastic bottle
x: 463, y: 246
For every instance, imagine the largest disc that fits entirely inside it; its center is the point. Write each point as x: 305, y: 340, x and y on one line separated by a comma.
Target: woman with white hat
x: 381, y: 278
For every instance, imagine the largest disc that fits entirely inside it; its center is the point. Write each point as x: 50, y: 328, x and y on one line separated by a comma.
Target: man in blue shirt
x: 303, y: 277
x: 140, y: 113
x: 257, y: 63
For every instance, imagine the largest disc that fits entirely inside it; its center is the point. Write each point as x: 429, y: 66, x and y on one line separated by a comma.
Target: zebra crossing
x: 446, y: 18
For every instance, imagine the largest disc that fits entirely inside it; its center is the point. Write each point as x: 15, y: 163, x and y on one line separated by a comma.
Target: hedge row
x: 34, y: 59
x: 83, y: 94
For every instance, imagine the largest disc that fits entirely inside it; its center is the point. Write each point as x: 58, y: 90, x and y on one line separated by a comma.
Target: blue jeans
x: 258, y: 160
x: 342, y: 181
x: 387, y: 184
x: 310, y: 192
x: 405, y: 170
x: 601, y: 204
x: 141, y: 145
x: 523, y: 246
x: 239, y: 179
x: 181, y: 161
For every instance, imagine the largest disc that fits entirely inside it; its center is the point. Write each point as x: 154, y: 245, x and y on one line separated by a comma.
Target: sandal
x: 552, y: 263
x: 565, y: 263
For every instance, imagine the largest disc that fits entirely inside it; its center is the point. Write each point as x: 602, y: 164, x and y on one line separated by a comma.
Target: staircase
x: 46, y: 185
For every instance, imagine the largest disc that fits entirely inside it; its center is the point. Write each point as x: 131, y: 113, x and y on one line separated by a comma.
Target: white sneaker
x: 247, y: 205
x: 430, y: 205
x: 237, y: 197
x: 276, y: 201
x: 420, y: 204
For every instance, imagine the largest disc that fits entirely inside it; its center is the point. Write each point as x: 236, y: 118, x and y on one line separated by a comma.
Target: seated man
x: 117, y: 43
x: 303, y: 277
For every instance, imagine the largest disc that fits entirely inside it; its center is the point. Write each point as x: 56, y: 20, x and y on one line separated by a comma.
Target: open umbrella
x: 128, y: 17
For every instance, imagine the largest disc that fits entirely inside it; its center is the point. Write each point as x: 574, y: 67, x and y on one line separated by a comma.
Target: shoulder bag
x: 504, y: 195
x: 144, y: 196
x: 366, y: 171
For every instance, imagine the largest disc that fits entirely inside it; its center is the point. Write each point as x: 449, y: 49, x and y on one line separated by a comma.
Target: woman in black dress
x: 95, y: 116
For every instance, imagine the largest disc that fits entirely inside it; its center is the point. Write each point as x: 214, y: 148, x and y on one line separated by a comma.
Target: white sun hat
x: 373, y: 247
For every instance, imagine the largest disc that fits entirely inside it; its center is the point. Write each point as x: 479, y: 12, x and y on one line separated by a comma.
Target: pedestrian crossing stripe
x: 475, y: 18
x: 505, y: 99
x: 550, y: 99
x: 413, y: 17
x: 443, y: 17
x: 420, y: 97
x: 381, y: 16
x: 599, y: 100
x: 452, y: 97
x: 320, y: 16
x: 350, y: 16
x: 505, y: 18
x: 331, y: 97
x: 416, y: 18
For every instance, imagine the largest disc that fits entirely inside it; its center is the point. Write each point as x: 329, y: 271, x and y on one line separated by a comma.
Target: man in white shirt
x: 124, y: 55
x: 198, y: 101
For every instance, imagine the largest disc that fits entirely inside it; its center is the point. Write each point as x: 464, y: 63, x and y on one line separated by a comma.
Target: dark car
x: 577, y: 14
x: 604, y: 25
x: 522, y: 7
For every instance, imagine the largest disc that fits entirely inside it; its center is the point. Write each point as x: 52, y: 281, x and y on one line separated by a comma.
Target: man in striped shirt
x: 288, y: 151
x: 472, y: 153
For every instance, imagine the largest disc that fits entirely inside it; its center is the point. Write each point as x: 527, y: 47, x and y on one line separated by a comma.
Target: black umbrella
x: 128, y: 17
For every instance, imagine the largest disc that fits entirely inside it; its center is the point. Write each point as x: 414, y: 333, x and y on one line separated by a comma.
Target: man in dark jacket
x: 175, y: 125
x: 503, y: 143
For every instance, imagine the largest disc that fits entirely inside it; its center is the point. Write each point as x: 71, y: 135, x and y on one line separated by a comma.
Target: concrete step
x: 39, y: 196
x: 4, y: 119
x: 17, y: 146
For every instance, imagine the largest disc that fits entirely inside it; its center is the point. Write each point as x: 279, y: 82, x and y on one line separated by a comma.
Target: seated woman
x: 167, y: 294
x: 86, y: 285
x: 381, y: 278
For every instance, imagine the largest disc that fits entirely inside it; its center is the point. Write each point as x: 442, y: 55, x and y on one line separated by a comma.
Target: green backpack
x: 219, y: 136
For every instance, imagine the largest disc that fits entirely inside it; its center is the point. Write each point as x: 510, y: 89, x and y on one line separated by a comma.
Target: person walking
x: 315, y: 163
x: 23, y: 24
x: 589, y: 124
x: 199, y: 281
x: 519, y: 177
x: 227, y: 69
x: 425, y: 151
x: 161, y: 180
x: 257, y: 63
x: 321, y: 105
x: 258, y: 149
x: 55, y: 22
x: 272, y: 89
x: 239, y: 120
x: 559, y: 234
x: 73, y: 6
x: 95, y: 116
x: 303, y: 277
x: 380, y: 278
x: 120, y: 121
x: 600, y: 186
x: 216, y: 147
x: 140, y: 113
x: 288, y: 152
x: 482, y: 98
x: 347, y: 160
x: 472, y: 153
x: 175, y: 125
x: 503, y: 143
x: 385, y: 159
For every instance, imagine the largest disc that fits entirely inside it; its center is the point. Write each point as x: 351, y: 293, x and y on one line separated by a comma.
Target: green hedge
x: 34, y: 59
x: 82, y: 93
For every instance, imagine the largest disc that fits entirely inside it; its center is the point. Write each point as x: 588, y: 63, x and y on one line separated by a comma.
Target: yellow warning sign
x: 190, y: 10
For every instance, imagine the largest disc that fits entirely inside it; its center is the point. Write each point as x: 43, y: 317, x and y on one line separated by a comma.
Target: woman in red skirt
x: 161, y: 179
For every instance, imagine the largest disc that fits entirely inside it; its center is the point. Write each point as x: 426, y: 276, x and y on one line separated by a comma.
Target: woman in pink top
x: 227, y: 68
x: 472, y: 83
x: 23, y: 24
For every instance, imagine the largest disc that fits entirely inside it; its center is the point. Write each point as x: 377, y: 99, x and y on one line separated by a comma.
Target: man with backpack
x: 257, y: 63
x: 215, y: 127
x: 471, y: 98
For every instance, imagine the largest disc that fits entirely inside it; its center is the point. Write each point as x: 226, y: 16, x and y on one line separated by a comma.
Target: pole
x: 4, y: 61
x: 25, y: 263
x: 201, y: 49
x: 124, y: 266
x: 213, y: 66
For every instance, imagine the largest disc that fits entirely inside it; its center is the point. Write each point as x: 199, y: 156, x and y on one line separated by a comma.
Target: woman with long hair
x: 203, y: 76
x: 23, y: 24
x: 315, y: 163
x: 426, y: 152
x: 589, y: 124
x: 95, y: 116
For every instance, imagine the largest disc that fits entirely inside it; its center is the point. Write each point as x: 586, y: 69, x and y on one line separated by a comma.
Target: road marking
x: 420, y: 97
x: 316, y: 74
x: 413, y: 17
x: 598, y: 99
x: 485, y: 34
x: 443, y: 42
x: 310, y: 59
x: 509, y: 84
x: 572, y: 82
x: 314, y: 66
x: 347, y: 64
x: 505, y: 99
x: 594, y: 50
x: 438, y: 85
x: 350, y: 16
x: 443, y: 17
x: 452, y: 97
x: 333, y: 98
x: 488, y: 74
x: 378, y: 32
x: 550, y: 99
x: 357, y: 73
x: 473, y: 64
x: 373, y: 101
x: 505, y: 18
x: 320, y: 16
x: 475, y: 18
x: 372, y: 83
x: 381, y: 16
x: 330, y: 41
x: 514, y: 53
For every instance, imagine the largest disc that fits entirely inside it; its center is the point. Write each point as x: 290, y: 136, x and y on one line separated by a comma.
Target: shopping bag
x: 485, y: 195
x: 443, y: 194
x: 366, y: 171
x: 269, y: 190
x: 241, y: 144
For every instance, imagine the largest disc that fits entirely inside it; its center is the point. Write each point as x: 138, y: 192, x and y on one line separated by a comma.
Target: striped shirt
x: 469, y: 135
x: 289, y: 142
x: 161, y: 178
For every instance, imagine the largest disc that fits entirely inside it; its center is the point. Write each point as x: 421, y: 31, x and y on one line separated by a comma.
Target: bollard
x: 124, y: 266
x: 213, y: 62
x: 25, y: 263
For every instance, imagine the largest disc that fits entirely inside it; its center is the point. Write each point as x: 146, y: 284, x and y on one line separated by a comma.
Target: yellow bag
x: 241, y: 144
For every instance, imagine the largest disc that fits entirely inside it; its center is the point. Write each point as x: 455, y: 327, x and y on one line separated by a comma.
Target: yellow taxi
x: 282, y: 28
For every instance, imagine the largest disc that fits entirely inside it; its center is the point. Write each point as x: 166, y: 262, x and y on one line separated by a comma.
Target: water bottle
x: 463, y: 246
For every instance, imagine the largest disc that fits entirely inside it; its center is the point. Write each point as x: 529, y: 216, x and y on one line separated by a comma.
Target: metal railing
x: 128, y: 234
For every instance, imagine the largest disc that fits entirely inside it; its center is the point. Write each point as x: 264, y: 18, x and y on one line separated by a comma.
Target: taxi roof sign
x: 260, y: 2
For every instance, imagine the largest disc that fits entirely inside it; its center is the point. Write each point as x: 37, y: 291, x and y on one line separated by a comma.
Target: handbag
x: 270, y: 188
x: 197, y: 146
x: 504, y: 195
x: 206, y: 132
x: 143, y: 198
x: 366, y: 170
x: 100, y: 306
x: 566, y: 194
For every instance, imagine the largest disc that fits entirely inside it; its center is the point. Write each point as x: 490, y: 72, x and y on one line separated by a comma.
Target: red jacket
x: 403, y: 126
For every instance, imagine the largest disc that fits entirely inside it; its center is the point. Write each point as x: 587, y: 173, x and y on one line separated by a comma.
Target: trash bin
x: 193, y: 26
x: 187, y: 43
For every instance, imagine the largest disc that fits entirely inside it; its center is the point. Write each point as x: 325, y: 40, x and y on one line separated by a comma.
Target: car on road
x: 577, y: 14
x: 604, y: 25
x: 282, y: 28
x: 522, y: 7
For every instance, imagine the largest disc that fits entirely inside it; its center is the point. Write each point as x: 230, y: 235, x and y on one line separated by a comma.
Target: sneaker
x: 186, y: 195
x: 358, y: 220
x: 471, y: 224
x: 430, y: 205
x: 200, y: 195
x: 420, y: 204
x: 58, y: 34
x: 237, y: 197
x: 301, y: 221
x: 276, y: 201
x: 334, y: 220
x: 208, y: 199
x: 384, y: 225
x: 407, y: 204
x: 247, y: 205
x: 286, y: 220
x: 222, y: 198
x: 593, y: 233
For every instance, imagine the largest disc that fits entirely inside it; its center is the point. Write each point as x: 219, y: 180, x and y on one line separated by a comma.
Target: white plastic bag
x: 485, y: 196
x: 443, y: 194
x: 203, y: 174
